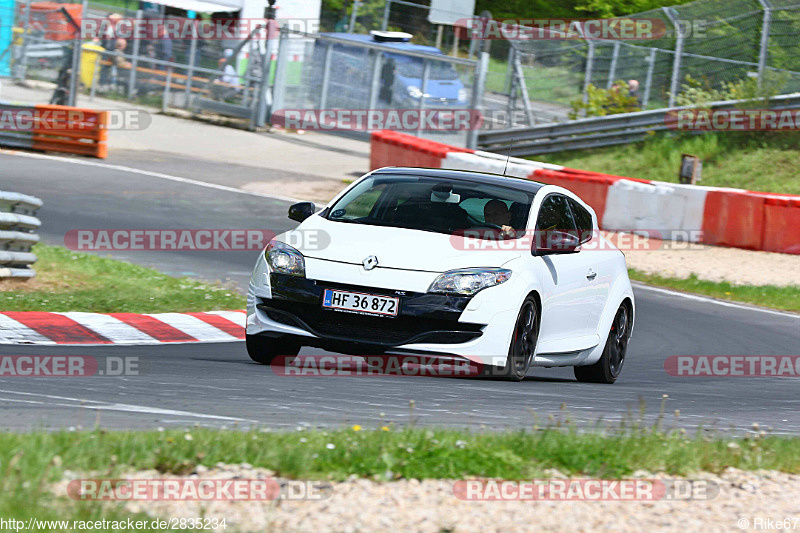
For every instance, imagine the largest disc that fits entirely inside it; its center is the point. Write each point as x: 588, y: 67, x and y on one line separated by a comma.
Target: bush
x: 602, y: 102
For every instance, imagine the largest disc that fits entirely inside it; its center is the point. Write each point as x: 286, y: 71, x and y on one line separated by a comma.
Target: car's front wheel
x: 523, y: 344
x: 264, y: 350
x: 608, y: 368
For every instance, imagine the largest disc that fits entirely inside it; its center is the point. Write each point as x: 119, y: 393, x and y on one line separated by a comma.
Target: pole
x: 326, y: 75
x: 387, y: 11
x: 135, y: 58
x: 587, y: 77
x: 165, y: 98
x: 676, y: 64
x: 509, y: 70
x: 612, y: 70
x: 353, y: 16
x: 649, y: 80
x: 259, y: 117
x: 190, y: 70
x: 281, y: 67
x: 764, y: 48
x: 439, y: 35
x: 426, y: 74
x: 22, y: 62
x: 375, y: 85
x: 478, y: 88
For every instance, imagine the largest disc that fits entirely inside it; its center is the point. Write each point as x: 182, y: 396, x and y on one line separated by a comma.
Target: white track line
x: 148, y: 173
x: 708, y: 299
x: 94, y: 404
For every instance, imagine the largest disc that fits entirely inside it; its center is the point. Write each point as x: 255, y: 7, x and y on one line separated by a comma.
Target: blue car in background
x: 350, y: 75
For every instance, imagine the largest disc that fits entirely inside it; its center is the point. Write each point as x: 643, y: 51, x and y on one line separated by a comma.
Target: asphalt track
x: 217, y: 384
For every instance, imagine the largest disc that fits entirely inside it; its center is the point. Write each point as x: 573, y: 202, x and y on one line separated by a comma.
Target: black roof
x: 463, y: 175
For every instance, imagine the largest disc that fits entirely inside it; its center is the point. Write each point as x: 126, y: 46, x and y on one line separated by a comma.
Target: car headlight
x: 284, y: 259
x: 462, y: 95
x: 414, y: 92
x: 469, y: 281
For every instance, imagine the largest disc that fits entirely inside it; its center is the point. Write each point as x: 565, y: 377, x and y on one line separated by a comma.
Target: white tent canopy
x: 203, y: 6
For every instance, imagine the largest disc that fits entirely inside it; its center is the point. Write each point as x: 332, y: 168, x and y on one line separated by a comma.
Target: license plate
x: 359, y: 302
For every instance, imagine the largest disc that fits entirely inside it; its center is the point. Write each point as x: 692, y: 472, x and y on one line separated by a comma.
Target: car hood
x: 399, y: 248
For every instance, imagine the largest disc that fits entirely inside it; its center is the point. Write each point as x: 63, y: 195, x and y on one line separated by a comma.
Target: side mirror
x: 552, y: 242
x: 302, y: 211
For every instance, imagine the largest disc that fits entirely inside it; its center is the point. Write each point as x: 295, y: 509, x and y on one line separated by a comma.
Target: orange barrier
x: 388, y: 147
x: 47, y: 16
x: 782, y: 225
x: 71, y: 130
x: 732, y: 218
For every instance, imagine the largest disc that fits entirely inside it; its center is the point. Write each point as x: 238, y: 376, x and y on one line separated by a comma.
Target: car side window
x: 554, y: 214
x: 583, y: 219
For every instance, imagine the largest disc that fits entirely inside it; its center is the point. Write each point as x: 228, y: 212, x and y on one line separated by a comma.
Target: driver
x: 497, y: 213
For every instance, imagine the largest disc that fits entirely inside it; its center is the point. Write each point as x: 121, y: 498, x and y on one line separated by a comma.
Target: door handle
x: 591, y: 275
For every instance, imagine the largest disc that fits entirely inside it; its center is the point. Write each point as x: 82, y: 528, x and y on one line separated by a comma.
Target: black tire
x: 608, y: 368
x: 523, y: 345
x: 264, y: 350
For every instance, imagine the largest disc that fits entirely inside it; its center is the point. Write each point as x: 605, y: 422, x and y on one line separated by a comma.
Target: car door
x: 601, y: 269
x: 566, y: 296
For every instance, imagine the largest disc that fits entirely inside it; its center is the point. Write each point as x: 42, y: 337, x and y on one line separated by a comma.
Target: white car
x: 503, y: 272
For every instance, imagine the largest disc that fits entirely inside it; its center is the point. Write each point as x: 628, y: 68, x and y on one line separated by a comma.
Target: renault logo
x: 370, y: 262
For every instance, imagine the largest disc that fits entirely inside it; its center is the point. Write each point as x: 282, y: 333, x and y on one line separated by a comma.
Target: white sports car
x: 503, y: 272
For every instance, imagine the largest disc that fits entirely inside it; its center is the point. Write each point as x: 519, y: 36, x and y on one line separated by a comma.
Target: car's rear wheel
x: 608, y: 368
x: 523, y: 344
x: 264, y: 350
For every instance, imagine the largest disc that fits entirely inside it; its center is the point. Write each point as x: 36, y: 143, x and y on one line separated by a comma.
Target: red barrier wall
x: 734, y: 219
x: 782, y: 225
x: 392, y: 149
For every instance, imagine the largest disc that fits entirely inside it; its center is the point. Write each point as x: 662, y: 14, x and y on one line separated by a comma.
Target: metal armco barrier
x: 595, y: 132
x: 54, y: 128
x: 18, y: 223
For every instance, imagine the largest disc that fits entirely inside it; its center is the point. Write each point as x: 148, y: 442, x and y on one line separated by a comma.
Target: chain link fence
x: 711, y: 42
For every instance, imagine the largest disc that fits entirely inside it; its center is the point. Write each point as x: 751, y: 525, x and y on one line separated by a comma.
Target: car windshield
x: 437, y: 205
x: 439, y: 70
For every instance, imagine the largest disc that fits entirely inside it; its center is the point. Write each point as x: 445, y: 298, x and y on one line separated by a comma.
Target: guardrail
x: 18, y: 223
x: 54, y: 128
x: 595, y: 132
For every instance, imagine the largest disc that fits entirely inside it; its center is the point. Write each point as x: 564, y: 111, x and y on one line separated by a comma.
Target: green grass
x: 551, y: 84
x: 757, y: 161
x: 74, y: 281
x: 784, y: 298
x: 32, y: 461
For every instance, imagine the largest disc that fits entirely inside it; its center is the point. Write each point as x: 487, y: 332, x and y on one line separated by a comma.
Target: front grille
x: 368, y: 329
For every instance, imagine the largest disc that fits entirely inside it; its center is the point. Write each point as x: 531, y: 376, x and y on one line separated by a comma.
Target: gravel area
x: 361, y: 505
x: 715, y: 263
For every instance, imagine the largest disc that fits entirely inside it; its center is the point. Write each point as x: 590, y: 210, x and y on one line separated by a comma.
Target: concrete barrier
x: 710, y: 215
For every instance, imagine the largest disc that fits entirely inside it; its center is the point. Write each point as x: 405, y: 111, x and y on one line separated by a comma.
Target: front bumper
x: 433, y: 324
